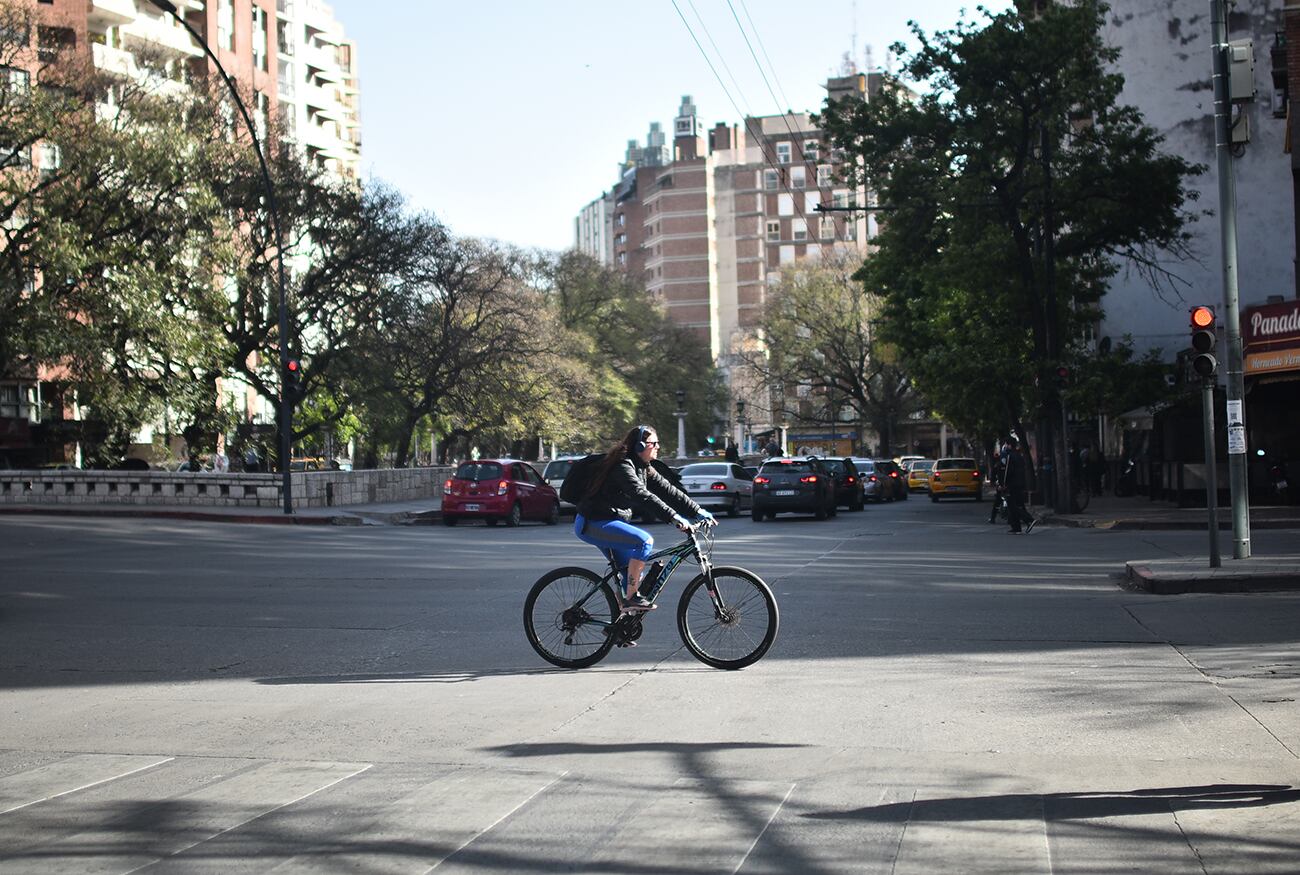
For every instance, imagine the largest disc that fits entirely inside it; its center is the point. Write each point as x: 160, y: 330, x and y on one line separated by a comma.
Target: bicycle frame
x: 673, y: 556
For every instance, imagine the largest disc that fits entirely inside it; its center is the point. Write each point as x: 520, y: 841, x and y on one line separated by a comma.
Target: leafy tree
x: 634, y: 357
x: 1018, y: 181
x: 104, y: 226
x: 819, y: 326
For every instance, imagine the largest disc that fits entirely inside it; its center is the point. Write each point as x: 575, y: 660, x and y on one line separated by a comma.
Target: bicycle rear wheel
x: 566, y: 621
x: 741, y: 632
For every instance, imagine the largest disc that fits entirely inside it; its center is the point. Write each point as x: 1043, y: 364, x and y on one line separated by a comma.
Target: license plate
x: 956, y: 488
x: 786, y: 492
x: 471, y: 507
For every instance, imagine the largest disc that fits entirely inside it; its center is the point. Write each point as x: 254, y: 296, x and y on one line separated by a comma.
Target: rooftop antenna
x: 871, y: 64
x: 853, y: 47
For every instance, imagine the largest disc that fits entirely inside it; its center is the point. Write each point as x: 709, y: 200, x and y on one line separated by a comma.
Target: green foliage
x: 1018, y: 135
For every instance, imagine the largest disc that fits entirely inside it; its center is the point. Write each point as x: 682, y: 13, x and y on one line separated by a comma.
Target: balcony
x: 104, y: 14
x: 112, y: 60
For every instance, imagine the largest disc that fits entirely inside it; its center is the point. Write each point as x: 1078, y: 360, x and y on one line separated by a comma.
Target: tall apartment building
x: 287, y: 56
x: 709, y: 221
x: 318, y: 87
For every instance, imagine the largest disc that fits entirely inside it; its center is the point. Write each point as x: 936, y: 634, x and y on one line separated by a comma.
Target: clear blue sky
x: 505, y: 118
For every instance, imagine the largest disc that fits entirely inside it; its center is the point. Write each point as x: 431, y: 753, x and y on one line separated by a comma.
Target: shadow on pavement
x: 1072, y: 806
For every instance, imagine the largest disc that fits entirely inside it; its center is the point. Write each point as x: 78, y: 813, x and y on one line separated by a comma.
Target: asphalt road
x: 943, y: 696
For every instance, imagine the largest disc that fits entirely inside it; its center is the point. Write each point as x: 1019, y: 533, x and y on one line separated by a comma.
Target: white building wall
x: 592, y: 231
x: 318, y: 93
x: 1167, y: 66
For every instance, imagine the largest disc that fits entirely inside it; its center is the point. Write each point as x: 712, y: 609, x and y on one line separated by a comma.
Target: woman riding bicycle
x: 625, y: 479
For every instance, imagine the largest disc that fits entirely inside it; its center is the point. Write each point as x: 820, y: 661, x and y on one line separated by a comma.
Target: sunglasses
x: 652, y: 443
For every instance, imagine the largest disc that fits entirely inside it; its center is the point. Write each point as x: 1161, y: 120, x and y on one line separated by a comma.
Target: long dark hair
x: 617, y: 454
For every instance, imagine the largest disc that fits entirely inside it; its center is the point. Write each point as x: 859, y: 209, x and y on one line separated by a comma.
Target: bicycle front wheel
x: 567, y: 615
x: 738, y: 629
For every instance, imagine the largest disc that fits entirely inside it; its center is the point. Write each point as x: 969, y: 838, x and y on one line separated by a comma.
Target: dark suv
x: 848, y: 483
x: 794, y: 486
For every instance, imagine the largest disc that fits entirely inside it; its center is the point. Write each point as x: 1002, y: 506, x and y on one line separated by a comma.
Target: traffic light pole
x: 1228, y: 231
x: 1211, y: 475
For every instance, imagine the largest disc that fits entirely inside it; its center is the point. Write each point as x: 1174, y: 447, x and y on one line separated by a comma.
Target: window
x: 259, y: 38
x: 9, y: 401
x: 622, y: 259
x: 840, y: 198
x: 771, y: 178
x: 50, y: 41
x: 823, y: 176
x: 826, y: 231
x: 782, y: 153
x: 811, y: 150
x: 48, y: 157
x: 14, y: 80
x: 799, y: 229
x: 226, y: 25
x: 850, y: 230
x: 784, y: 205
x: 786, y: 255
x: 774, y: 230
x: 798, y: 177
x: 620, y: 220
x: 620, y: 239
x: 811, y: 200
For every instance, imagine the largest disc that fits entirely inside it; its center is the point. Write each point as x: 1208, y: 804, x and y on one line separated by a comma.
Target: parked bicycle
x: 727, y: 617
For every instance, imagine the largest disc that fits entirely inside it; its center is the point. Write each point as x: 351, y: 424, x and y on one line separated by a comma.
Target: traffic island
x: 1178, y: 576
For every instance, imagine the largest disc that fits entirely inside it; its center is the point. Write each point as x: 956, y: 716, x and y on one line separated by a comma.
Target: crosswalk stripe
x: 180, y: 823
x: 994, y: 834
x: 444, y: 817
x: 724, y: 821
x: 69, y: 775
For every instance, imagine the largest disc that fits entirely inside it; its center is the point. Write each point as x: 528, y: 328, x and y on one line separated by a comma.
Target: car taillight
x: 503, y: 487
x: 446, y: 487
x: 760, y: 480
x: 850, y: 479
x: 975, y: 474
x: 936, y: 476
x: 893, y: 474
x: 719, y: 487
x: 808, y: 478
x: 872, y: 478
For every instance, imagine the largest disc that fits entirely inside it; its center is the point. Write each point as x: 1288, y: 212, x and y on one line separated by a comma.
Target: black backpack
x: 579, y: 478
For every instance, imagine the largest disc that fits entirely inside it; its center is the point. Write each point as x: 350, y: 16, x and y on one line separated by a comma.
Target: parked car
x: 893, y: 478
x: 307, y: 463
x: 723, y: 485
x: 554, y: 473
x: 793, y: 485
x: 499, y: 489
x: 849, y: 490
x: 872, y: 487
x: 918, y: 475
x: 956, y: 477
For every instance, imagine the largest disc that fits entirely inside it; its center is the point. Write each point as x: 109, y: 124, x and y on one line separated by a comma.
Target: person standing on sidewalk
x: 1015, y: 482
x: 998, y: 475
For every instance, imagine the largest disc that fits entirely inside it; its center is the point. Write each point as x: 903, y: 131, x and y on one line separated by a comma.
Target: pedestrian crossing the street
x: 109, y: 813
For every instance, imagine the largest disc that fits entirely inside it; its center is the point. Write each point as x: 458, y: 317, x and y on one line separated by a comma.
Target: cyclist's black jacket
x: 633, y: 483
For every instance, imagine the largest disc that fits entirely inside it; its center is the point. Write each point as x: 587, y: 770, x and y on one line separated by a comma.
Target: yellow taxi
x: 918, y: 475
x: 956, y: 478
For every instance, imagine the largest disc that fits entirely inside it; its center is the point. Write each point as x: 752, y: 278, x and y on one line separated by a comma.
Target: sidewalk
x: 1139, y: 512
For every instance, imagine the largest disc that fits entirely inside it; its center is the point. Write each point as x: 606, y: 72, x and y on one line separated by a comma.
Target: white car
x: 555, y: 471
x: 722, y: 485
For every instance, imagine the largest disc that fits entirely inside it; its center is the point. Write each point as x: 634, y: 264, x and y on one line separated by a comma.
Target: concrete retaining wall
x: 310, y: 488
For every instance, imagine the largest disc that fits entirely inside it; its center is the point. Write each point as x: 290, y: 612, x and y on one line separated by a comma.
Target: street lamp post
x: 681, y: 423
x: 740, y: 427
x: 286, y: 403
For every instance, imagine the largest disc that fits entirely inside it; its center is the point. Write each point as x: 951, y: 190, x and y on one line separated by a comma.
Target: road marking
x: 79, y: 772
x: 424, y: 829
x: 167, y: 827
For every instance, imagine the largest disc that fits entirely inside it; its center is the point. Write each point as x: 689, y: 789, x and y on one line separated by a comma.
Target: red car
x: 499, y: 489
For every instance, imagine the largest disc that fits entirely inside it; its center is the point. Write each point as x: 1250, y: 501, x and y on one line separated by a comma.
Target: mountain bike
x: 727, y: 617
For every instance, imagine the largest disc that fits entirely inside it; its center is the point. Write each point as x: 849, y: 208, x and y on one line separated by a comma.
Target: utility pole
x: 1223, y: 139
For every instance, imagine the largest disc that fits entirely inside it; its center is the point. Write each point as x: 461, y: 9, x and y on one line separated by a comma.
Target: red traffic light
x: 293, y: 366
x: 1202, y: 317
x: 1063, y: 372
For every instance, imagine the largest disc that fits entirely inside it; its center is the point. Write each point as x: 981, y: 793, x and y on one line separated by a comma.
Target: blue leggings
x: 624, y: 539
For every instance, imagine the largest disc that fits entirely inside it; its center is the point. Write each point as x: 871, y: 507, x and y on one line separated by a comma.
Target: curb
x: 1136, y: 525
x: 1169, y: 583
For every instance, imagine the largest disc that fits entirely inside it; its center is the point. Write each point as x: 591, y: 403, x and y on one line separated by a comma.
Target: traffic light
x: 293, y: 381
x: 1062, y: 377
x: 1203, y: 362
x: 711, y: 440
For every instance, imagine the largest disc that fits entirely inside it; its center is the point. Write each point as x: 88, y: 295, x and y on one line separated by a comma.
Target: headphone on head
x: 643, y: 433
